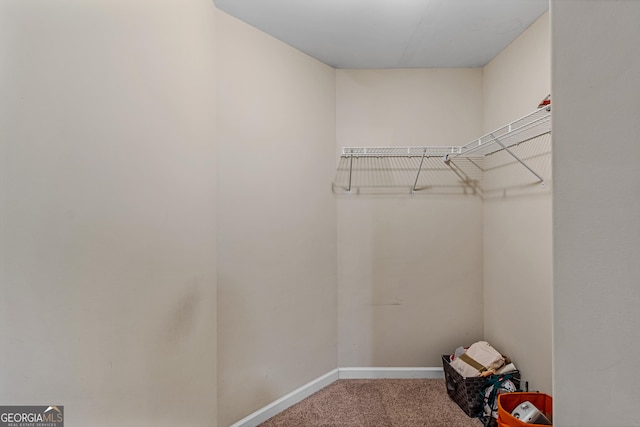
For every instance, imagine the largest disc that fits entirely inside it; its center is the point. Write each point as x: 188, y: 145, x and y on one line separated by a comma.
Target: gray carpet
x: 376, y: 403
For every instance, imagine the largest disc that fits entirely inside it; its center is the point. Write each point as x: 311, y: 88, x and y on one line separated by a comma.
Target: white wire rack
x: 528, y: 127
x: 523, y: 129
x: 429, y: 151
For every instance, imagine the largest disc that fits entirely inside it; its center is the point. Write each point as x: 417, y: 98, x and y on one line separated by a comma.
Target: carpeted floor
x: 376, y: 403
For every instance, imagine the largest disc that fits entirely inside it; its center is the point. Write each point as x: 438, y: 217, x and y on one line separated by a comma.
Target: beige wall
x: 410, y: 268
x: 517, y: 212
x: 277, y: 219
x: 108, y: 210
x: 519, y: 77
x: 596, y: 210
x: 111, y: 199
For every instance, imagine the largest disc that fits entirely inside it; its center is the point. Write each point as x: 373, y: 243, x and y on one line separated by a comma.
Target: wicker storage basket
x: 468, y: 393
x: 464, y: 391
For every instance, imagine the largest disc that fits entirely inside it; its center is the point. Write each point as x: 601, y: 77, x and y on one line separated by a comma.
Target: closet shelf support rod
x: 350, y: 172
x: 517, y: 158
x: 415, y: 184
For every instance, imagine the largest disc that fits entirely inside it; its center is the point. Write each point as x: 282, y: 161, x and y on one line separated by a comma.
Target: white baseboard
x: 393, y: 373
x: 274, y: 408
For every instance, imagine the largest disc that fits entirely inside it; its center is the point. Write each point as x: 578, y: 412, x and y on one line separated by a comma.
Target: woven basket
x: 468, y: 392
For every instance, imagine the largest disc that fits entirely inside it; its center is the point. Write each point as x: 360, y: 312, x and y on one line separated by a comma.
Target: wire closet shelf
x: 526, y: 128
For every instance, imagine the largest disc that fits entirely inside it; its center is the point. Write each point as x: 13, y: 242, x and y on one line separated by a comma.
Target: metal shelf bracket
x: 504, y: 147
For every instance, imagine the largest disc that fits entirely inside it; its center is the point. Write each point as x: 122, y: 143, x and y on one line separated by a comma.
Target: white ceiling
x: 392, y: 33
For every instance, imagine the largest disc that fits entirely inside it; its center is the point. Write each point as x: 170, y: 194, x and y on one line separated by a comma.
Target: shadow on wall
x: 496, y: 175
